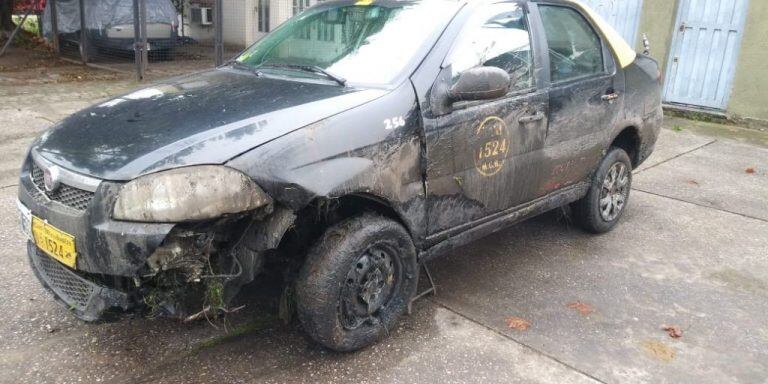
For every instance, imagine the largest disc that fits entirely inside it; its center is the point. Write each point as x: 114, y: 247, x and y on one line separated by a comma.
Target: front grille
x: 70, y: 196
x: 70, y: 287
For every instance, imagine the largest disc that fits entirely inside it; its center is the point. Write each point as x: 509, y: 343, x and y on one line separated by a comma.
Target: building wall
x: 657, y: 21
x: 751, y: 77
x: 234, y: 15
x: 201, y: 33
x: 751, y: 80
x: 241, y: 18
x: 280, y: 11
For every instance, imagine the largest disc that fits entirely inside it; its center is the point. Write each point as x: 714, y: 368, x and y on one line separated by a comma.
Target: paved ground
x: 692, y: 251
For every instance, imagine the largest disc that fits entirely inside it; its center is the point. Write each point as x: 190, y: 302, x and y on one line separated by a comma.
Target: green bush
x: 31, y: 25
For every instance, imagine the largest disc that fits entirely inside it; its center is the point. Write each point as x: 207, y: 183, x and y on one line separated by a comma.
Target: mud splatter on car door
x: 483, y: 152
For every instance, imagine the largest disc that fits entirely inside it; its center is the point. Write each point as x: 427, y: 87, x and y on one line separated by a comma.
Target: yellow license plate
x: 55, y: 242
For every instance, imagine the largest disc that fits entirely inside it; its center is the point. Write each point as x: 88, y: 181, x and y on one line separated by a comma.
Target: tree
x: 6, y: 17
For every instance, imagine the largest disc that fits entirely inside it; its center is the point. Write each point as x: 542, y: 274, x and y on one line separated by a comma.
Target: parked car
x: 357, y: 141
x: 110, y: 25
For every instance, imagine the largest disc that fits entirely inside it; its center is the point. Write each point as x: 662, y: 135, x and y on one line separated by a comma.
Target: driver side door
x: 483, y: 156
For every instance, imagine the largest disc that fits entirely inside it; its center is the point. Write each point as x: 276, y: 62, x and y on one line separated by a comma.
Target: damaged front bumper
x: 86, y: 299
x: 165, y: 269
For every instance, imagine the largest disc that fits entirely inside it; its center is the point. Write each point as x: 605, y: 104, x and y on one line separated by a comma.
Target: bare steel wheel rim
x: 369, y: 286
x: 614, y: 191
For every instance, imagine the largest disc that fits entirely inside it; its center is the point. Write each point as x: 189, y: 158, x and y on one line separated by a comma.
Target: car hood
x: 205, y: 118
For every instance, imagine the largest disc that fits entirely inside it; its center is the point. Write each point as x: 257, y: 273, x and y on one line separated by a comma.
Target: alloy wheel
x: 614, y: 192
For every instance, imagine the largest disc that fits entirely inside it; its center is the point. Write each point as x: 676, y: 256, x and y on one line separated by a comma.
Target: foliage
x: 31, y: 25
x: 214, y: 295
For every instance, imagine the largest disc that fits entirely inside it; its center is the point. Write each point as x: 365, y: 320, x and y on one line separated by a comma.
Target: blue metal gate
x: 623, y: 15
x: 704, y: 52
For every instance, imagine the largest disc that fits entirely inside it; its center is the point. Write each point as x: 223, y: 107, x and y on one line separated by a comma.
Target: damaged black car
x: 354, y: 143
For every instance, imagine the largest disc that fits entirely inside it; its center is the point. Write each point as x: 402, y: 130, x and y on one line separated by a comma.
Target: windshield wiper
x: 310, y: 68
x: 245, y: 67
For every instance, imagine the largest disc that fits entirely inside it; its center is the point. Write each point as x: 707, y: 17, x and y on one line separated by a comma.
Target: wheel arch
x: 323, y: 212
x: 630, y: 141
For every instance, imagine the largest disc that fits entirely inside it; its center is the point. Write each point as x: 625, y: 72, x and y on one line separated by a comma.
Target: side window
x: 496, y: 36
x: 574, y: 47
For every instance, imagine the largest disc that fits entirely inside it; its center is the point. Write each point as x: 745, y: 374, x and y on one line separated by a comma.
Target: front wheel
x: 608, y: 194
x: 356, y: 282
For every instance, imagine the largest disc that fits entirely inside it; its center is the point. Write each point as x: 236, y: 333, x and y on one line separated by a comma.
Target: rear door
x: 483, y: 155
x: 585, y: 96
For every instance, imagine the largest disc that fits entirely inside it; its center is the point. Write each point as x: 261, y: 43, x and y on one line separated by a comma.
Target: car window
x: 574, y: 47
x: 495, y: 36
x: 368, y: 44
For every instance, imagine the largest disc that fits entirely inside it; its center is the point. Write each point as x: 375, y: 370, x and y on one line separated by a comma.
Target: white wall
x: 234, y: 16
x: 280, y: 11
x: 201, y: 33
x: 241, y: 21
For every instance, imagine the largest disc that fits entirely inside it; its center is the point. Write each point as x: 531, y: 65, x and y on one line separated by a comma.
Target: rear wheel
x: 356, y: 282
x: 607, y: 198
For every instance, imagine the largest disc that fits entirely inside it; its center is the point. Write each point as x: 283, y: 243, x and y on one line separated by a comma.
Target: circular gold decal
x: 493, y: 146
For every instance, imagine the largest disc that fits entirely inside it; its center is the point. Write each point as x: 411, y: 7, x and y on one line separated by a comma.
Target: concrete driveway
x: 691, y: 252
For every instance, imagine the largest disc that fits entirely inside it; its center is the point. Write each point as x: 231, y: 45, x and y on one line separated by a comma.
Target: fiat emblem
x: 51, y: 179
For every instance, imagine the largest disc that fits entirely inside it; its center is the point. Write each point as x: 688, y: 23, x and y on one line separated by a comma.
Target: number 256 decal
x: 394, y: 123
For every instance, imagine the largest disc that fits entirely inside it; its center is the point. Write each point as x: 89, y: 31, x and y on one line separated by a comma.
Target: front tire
x: 356, y: 282
x: 608, y: 194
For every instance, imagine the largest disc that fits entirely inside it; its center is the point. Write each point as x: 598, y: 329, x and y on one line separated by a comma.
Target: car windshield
x: 367, y: 42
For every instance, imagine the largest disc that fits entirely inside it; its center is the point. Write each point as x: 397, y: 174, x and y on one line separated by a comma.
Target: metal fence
x: 160, y: 37
x: 136, y: 35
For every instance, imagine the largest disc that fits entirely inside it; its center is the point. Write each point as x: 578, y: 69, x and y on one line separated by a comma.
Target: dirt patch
x: 583, y: 308
x: 517, y: 323
x: 39, y: 65
x: 674, y: 331
x: 26, y: 58
x: 659, y: 351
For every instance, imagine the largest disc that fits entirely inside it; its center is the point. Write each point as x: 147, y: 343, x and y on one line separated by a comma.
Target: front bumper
x: 109, y: 253
x: 165, y: 268
x: 85, y: 298
x: 120, y: 44
x: 104, y: 246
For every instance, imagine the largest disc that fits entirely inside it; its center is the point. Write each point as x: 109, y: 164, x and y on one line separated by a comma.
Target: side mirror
x: 481, y: 83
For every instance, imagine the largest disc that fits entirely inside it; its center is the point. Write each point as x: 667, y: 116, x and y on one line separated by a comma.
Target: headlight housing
x: 188, y: 194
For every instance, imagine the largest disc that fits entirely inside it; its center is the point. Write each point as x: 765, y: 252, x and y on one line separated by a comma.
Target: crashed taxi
x: 351, y: 145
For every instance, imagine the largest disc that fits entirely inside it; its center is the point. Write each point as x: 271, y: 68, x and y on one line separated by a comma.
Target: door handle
x: 610, y: 97
x: 532, y: 118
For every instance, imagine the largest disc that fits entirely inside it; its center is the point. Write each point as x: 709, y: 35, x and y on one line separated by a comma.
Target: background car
x: 110, y: 25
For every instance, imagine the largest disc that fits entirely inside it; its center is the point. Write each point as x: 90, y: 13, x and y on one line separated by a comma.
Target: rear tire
x: 356, y: 282
x: 601, y: 209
